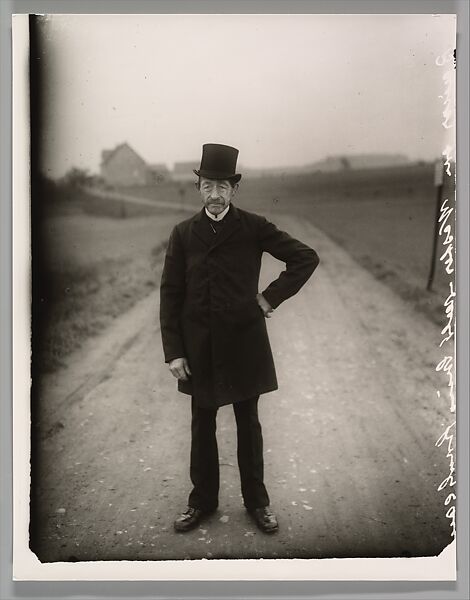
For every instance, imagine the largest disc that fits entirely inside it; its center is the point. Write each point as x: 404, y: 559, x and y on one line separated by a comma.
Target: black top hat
x: 218, y: 162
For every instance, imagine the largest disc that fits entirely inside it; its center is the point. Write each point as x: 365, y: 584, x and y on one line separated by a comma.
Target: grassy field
x: 94, y: 265
x: 384, y: 218
x: 98, y: 257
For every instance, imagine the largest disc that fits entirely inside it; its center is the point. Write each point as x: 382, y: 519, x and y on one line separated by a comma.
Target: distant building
x: 122, y: 167
x: 158, y: 173
x: 183, y: 171
x: 359, y: 161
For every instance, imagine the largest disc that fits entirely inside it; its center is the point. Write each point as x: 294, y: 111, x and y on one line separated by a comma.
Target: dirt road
x: 350, y: 457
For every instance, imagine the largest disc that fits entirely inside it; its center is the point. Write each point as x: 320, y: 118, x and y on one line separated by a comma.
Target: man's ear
x: 235, y: 188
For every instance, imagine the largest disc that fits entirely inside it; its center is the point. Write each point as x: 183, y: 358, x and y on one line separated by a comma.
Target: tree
x: 76, y: 177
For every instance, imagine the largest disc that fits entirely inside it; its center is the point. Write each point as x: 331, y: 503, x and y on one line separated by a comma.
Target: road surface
x: 350, y: 458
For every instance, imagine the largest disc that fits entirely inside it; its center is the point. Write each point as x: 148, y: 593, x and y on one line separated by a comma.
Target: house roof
x: 106, y: 155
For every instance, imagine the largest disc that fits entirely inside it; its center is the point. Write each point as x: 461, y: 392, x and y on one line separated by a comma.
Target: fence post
x: 439, y: 184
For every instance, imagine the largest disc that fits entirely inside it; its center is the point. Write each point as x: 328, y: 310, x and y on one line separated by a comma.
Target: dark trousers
x: 204, y: 469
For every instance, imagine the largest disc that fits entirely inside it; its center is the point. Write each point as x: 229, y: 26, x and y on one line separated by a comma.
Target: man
x: 214, y: 332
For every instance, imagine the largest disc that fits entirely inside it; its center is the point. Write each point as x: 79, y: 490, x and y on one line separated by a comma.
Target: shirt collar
x: 218, y: 217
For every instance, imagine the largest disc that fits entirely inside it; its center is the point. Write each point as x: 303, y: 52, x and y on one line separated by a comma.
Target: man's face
x: 216, y: 194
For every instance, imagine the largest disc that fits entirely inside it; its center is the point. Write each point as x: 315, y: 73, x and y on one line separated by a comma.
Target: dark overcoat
x: 208, y: 308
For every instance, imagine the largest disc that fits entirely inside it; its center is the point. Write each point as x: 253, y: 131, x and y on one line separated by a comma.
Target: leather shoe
x: 265, y: 519
x: 189, y: 519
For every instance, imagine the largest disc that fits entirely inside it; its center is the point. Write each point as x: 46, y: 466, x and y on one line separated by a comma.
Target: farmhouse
x: 123, y: 167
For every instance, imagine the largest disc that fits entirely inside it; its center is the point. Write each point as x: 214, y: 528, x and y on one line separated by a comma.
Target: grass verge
x: 84, y: 300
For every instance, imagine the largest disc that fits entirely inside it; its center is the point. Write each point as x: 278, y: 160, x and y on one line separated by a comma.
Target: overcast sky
x: 284, y: 89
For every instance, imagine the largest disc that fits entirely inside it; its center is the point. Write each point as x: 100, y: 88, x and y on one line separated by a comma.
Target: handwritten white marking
x: 449, y: 81
x: 448, y: 156
x: 449, y: 307
x: 447, y: 366
x: 450, y: 480
x: 448, y: 255
x: 446, y: 223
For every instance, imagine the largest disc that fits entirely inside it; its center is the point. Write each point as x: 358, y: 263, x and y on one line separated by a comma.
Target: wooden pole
x: 439, y: 183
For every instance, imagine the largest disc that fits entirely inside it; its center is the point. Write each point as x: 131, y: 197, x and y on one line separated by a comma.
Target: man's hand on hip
x: 179, y: 367
x: 264, y: 305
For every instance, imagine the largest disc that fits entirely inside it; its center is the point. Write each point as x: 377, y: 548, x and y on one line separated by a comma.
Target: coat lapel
x: 202, y: 229
x: 231, y: 225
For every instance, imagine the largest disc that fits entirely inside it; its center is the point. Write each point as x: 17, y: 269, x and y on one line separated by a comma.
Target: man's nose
x: 214, y: 193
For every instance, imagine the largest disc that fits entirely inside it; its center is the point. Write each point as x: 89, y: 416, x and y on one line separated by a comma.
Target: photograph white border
x: 26, y: 565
